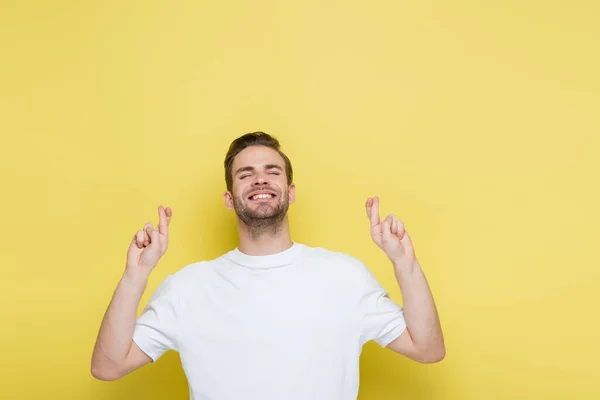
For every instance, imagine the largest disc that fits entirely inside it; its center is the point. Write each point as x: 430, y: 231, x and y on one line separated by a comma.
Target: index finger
x: 373, y: 210
x: 164, y: 218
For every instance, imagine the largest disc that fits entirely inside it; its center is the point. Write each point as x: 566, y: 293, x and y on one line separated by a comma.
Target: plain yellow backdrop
x: 477, y: 123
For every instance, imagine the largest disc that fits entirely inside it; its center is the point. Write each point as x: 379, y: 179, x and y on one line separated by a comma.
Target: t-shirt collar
x: 280, y: 259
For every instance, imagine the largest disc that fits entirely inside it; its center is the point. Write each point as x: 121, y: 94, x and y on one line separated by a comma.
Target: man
x: 272, y: 319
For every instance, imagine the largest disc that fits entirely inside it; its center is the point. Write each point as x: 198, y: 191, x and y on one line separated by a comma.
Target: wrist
x: 401, y: 267
x: 137, y: 278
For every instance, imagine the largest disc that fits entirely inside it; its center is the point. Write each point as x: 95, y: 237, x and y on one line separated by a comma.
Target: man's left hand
x: 391, y: 237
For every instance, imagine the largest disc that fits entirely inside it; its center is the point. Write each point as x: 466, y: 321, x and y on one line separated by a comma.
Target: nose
x: 260, y: 180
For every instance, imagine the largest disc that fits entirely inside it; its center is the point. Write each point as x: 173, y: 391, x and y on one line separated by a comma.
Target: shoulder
x: 189, y: 275
x: 347, y: 272
x: 321, y: 253
x: 349, y: 265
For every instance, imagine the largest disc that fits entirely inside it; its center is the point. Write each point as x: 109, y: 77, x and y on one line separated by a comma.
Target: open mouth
x: 262, y: 196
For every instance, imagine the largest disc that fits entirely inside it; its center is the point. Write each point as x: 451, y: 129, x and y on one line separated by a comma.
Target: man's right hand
x: 149, y: 245
x: 115, y: 353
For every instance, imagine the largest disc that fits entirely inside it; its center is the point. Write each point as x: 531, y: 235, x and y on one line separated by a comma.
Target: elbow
x: 100, y: 374
x: 433, y: 356
x: 104, y: 374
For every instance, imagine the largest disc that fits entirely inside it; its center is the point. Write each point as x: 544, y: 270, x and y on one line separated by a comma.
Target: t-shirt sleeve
x: 157, y: 327
x: 381, y: 319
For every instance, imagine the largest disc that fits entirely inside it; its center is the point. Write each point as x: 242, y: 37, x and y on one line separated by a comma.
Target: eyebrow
x: 266, y: 166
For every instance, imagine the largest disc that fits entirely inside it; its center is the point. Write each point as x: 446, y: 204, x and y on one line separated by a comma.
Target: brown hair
x: 254, y: 139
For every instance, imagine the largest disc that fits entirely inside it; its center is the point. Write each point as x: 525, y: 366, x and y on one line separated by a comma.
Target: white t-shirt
x: 286, y: 326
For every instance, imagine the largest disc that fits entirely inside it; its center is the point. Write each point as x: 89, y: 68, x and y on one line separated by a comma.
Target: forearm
x: 419, y: 310
x: 116, y: 331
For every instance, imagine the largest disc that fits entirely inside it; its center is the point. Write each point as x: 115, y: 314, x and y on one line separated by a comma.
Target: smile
x: 262, y: 196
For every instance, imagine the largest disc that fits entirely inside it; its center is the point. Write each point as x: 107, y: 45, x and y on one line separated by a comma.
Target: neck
x: 266, y: 240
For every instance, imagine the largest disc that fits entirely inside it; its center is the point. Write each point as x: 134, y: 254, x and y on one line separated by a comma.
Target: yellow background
x: 475, y: 122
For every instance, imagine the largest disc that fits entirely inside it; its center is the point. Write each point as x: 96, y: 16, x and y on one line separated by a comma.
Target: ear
x: 228, y: 198
x: 292, y: 193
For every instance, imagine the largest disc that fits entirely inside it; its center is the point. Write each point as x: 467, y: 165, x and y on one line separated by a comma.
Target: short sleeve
x: 382, y: 320
x: 157, y: 327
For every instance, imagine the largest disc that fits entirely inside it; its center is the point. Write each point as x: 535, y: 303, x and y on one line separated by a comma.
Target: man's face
x: 260, y: 194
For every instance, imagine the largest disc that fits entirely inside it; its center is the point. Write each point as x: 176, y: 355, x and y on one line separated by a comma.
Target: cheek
x: 238, y: 190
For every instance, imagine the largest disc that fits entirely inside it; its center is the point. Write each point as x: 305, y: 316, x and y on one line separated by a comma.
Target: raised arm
x: 422, y: 341
x: 115, y: 353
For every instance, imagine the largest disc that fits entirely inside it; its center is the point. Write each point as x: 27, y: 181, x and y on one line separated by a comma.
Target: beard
x: 265, y: 217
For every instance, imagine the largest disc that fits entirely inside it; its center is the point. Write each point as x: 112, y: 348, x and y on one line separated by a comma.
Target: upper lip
x: 262, y: 192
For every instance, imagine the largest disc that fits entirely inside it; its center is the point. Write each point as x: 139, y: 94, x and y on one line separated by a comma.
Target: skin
x: 259, y: 168
x: 115, y: 353
x: 263, y: 229
x: 422, y: 340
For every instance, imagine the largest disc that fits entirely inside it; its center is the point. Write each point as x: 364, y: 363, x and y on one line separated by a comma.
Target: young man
x: 272, y: 319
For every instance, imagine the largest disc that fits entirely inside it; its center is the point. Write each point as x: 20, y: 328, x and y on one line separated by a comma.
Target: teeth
x: 262, y: 196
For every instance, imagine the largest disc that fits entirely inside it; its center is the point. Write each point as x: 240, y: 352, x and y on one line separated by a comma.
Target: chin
x: 265, y: 213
